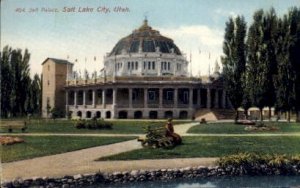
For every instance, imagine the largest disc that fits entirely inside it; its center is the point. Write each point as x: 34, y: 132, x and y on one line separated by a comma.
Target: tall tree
x: 269, y: 45
x: 255, y: 66
x: 15, y: 82
x: 234, y: 60
x: 6, y: 83
x: 285, y: 78
x: 294, y: 53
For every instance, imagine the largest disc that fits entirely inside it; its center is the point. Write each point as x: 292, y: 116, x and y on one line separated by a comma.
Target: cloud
x: 202, y: 43
x: 220, y: 12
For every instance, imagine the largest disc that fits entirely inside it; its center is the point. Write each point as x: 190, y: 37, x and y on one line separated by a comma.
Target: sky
x: 196, y: 26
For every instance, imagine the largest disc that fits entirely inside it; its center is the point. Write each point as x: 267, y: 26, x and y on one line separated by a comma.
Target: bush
x: 252, y: 160
x: 57, y: 113
x: 93, y: 124
x: 80, y: 124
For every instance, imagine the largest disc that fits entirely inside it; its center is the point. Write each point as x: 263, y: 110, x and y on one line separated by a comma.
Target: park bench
x: 13, y: 125
x: 155, y: 137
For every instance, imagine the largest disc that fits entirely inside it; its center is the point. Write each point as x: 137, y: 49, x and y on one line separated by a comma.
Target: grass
x: 67, y: 126
x: 217, y: 146
x: 36, y: 146
x: 230, y: 128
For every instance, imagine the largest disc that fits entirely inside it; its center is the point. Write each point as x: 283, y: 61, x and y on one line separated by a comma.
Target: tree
x: 6, y: 83
x: 294, y: 55
x: 35, y: 95
x: 257, y: 62
x: 269, y: 44
x: 19, y: 94
x: 284, y: 80
x: 234, y: 60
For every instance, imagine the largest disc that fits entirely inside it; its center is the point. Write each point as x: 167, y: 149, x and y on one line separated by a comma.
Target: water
x: 232, y: 182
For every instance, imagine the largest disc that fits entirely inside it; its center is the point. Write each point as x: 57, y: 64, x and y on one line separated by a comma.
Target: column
x: 199, y: 97
x: 84, y: 94
x: 224, y: 99
x: 104, y: 98
x: 67, y: 98
x: 145, y: 98
x: 216, y: 99
x: 114, y: 96
x: 67, y: 103
x: 94, y: 98
x: 158, y: 67
x: 175, y: 97
x: 75, y: 98
x: 191, y: 98
x: 160, y: 97
x: 208, y: 102
x: 130, y: 97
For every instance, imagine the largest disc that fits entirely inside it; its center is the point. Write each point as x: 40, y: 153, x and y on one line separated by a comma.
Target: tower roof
x: 59, y: 61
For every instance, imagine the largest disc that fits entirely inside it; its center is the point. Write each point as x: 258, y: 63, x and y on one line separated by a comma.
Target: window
x: 153, y: 65
x: 185, y: 96
x: 178, y: 66
x: 165, y: 65
x: 48, y: 82
x: 169, y: 95
x: 169, y: 66
x: 132, y: 65
x: 128, y: 65
x: 145, y: 65
x: 136, y: 65
x: 134, y: 95
x: 151, y: 96
x: 149, y: 65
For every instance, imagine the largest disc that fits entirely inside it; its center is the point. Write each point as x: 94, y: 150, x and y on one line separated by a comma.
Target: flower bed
x: 9, y: 140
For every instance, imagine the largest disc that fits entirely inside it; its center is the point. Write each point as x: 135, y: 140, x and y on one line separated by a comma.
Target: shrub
x: 93, y: 124
x: 57, y: 113
x: 252, y: 160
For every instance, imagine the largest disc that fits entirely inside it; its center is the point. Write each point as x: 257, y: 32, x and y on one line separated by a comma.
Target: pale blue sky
x: 195, y: 25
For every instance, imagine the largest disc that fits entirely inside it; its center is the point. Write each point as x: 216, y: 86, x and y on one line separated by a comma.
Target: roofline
x: 56, y: 59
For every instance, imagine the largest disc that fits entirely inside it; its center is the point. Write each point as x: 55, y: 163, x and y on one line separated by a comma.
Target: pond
x: 244, y: 181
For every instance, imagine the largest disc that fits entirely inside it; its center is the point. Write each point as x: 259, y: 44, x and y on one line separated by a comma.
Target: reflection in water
x: 230, y: 182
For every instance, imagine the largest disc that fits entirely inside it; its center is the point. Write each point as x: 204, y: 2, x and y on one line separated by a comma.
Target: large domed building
x: 144, y: 76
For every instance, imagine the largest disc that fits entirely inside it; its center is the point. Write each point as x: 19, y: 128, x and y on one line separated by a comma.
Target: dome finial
x: 145, y: 21
x: 145, y: 25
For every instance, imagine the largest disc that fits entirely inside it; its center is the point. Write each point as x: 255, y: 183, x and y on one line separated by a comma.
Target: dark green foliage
x: 252, y: 160
x: 57, y: 113
x: 19, y: 94
x: 93, y: 124
x: 156, y: 137
x: 234, y: 60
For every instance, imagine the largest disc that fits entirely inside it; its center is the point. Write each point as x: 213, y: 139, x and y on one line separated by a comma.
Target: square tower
x: 54, y: 75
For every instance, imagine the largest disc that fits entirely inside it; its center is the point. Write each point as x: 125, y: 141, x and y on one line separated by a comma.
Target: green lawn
x: 230, y: 128
x: 67, y: 126
x: 217, y: 146
x: 36, y: 146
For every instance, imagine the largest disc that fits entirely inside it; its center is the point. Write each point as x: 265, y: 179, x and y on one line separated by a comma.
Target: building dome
x: 145, y: 39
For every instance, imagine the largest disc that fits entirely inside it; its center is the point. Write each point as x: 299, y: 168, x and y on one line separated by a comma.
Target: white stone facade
x: 144, y: 76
